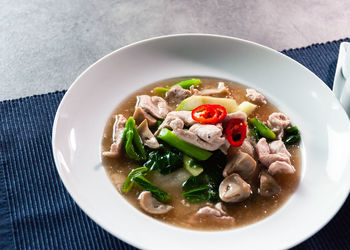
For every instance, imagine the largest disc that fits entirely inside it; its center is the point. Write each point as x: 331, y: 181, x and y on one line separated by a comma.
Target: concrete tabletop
x: 45, y: 45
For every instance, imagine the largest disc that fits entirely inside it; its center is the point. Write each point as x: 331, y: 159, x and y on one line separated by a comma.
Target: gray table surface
x: 45, y: 45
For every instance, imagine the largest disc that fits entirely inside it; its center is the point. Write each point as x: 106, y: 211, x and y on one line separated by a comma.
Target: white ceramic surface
x: 84, y: 110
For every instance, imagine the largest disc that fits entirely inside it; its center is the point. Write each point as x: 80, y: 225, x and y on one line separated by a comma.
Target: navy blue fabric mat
x: 37, y: 212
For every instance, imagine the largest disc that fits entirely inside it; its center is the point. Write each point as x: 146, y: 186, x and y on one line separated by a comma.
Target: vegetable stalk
x: 157, y: 193
x: 262, y: 129
x: 131, y: 139
x: 189, y: 149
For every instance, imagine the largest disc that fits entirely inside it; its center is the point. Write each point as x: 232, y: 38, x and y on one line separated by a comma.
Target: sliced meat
x: 281, y: 167
x: 176, y: 94
x: 239, y: 115
x: 154, y: 105
x: 216, y: 213
x: 274, y: 160
x: 206, y: 136
x: 278, y: 147
x: 151, y: 205
x: 234, y: 189
x: 240, y: 163
x: 255, y: 96
x: 147, y: 136
x: 118, y: 130
x: 277, y: 122
x: 140, y: 115
x: 220, y: 91
x: 176, y: 120
x: 194, y: 91
x: 225, y: 147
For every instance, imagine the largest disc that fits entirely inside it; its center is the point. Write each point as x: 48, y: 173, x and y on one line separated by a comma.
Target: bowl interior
x: 85, y: 108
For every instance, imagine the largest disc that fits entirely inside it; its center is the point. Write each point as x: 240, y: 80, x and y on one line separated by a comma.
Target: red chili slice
x: 209, y: 114
x: 236, y: 132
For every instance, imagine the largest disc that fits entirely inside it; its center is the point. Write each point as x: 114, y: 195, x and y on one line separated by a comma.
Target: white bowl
x: 85, y: 108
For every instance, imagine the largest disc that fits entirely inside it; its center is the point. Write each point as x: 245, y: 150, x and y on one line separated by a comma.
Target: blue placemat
x: 37, y: 212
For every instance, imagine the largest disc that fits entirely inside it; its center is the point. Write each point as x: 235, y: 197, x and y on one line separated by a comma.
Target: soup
x: 229, y: 173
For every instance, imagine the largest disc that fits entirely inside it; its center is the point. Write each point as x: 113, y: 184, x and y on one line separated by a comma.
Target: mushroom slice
x: 240, y: 163
x: 268, y: 185
x: 140, y: 115
x: 234, y: 189
x: 146, y: 135
x: 151, y: 205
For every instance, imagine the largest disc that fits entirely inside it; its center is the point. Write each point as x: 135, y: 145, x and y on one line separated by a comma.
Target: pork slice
x: 118, y: 130
x: 176, y: 120
x: 239, y: 115
x: 190, y: 137
x: 281, y: 167
x: 176, y: 94
x: 278, y: 147
x: 277, y: 122
x: 216, y: 213
x: 154, y: 105
x: 225, y: 147
x: 268, y: 159
x: 206, y: 132
x: 255, y: 96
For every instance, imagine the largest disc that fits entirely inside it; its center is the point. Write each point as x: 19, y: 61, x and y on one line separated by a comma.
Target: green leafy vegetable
x: 189, y: 149
x: 132, y: 142
x: 146, y: 185
x: 129, y: 180
x: 164, y: 160
x: 184, y: 84
x: 197, y: 195
x: 291, y: 136
x: 192, y: 166
x: 261, y: 128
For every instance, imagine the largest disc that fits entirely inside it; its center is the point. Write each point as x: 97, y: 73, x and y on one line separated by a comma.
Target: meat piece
x: 278, y: 147
x: 206, y: 136
x: 274, y: 160
x: 255, y: 96
x: 220, y: 91
x: 268, y: 185
x: 176, y: 94
x: 234, y: 189
x: 216, y: 213
x: 118, y: 130
x: 194, y: 91
x: 151, y: 205
x: 240, y: 163
x: 176, y: 120
x: 281, y: 167
x: 154, y: 105
x: 147, y: 136
x: 277, y: 122
x: 140, y: 115
x: 239, y: 115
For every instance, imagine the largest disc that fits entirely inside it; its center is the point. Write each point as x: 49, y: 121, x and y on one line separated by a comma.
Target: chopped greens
x: 132, y: 142
x: 165, y: 160
x: 205, y: 186
x: 261, y: 128
x: 146, y: 185
x: 129, y: 180
x: 291, y: 136
x: 188, y: 148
